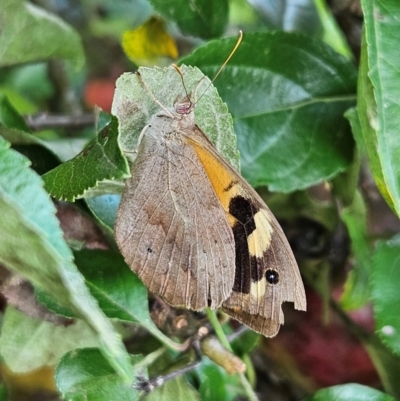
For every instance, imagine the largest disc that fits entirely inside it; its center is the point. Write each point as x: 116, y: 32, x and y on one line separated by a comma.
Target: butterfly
x: 196, y: 233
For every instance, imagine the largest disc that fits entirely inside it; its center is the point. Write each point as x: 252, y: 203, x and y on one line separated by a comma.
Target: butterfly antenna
x: 183, y: 82
x: 230, y: 55
x: 223, y: 65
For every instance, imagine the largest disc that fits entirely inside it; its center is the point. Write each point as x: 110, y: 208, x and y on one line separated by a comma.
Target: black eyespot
x: 272, y: 276
x: 149, y: 250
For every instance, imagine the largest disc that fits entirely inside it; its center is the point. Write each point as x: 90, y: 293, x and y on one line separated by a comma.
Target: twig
x: 45, y: 121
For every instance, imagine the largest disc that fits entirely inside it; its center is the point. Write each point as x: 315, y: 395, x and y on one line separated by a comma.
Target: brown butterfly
x: 196, y: 233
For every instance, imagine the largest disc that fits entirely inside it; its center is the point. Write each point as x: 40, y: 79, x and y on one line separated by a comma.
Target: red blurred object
x: 324, y: 354
x: 99, y: 92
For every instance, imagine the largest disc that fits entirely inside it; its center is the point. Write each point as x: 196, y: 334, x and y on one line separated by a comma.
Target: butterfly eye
x: 184, y: 108
x: 272, y: 276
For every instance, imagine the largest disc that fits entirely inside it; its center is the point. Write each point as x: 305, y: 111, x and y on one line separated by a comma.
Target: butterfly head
x: 185, y: 106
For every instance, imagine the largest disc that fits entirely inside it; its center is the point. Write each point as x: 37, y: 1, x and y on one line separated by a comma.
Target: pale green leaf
x: 29, y: 34
x: 28, y: 343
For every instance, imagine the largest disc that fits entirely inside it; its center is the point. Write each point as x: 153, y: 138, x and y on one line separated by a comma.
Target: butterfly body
x: 197, y: 233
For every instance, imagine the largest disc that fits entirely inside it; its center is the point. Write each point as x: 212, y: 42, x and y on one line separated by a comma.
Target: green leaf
x: 14, y: 130
x: 27, y: 343
x: 35, y: 248
x: 203, y: 18
x: 66, y: 148
x: 27, y: 208
x: 4, y: 396
x: 105, y: 187
x: 100, y: 160
x: 32, y: 82
x: 243, y: 14
x: 120, y: 293
x: 346, y: 392
x: 287, y: 94
x: 386, y: 363
x: 105, y: 208
x: 332, y: 33
x: 134, y: 106
x: 30, y: 34
x: 366, y: 123
x: 19, y: 101
x: 216, y: 383
x: 246, y: 343
x: 173, y: 390
x: 382, y: 67
x: 9, y: 117
x: 357, y: 291
x: 290, y: 15
x: 52, y: 305
x: 86, y: 375
x: 385, y: 292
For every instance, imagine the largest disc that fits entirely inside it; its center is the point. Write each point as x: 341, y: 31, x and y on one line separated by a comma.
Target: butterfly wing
x: 266, y: 272
x: 171, y: 228
x: 273, y: 278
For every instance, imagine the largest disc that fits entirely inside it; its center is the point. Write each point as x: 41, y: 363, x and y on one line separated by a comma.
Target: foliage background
x: 313, y: 91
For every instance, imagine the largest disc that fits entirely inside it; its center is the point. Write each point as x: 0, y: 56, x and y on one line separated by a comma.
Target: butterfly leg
x: 155, y: 100
x: 141, y: 135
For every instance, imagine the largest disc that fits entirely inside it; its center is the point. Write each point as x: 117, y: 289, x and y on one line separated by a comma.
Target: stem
x: 212, y: 317
x: 45, y: 121
x: 251, y: 395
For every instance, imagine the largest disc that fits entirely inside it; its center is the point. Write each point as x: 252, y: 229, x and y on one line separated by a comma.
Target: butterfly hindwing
x: 266, y: 273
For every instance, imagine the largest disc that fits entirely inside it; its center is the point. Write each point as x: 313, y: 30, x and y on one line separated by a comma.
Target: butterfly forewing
x: 170, y: 226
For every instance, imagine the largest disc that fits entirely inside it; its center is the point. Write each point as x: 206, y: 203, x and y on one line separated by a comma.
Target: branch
x: 45, y: 121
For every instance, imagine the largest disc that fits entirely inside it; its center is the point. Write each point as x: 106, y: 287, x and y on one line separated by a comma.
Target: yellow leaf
x: 21, y: 385
x: 149, y: 44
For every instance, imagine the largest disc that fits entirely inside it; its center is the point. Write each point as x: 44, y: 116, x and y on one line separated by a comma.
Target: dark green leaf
x: 10, y: 118
x: 100, y: 160
x: 382, y: 28
x: 216, y: 383
x: 27, y: 343
x: 32, y: 82
x: 386, y: 363
x: 365, y: 125
x: 119, y: 292
x: 346, y: 392
x: 4, y: 396
x: 14, y: 130
x: 29, y: 33
x: 287, y: 94
x: 385, y: 292
x: 35, y: 248
x: 42, y: 158
x: 246, y: 343
x: 203, y: 18
x: 86, y: 375
x: 52, y: 305
x: 357, y: 291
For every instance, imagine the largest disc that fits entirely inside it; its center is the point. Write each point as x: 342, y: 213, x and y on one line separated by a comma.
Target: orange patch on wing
x: 222, y: 180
